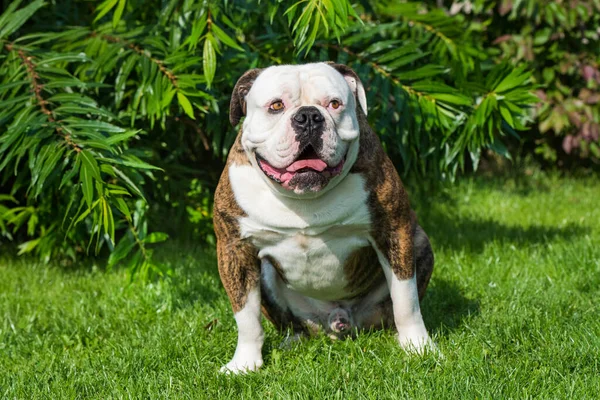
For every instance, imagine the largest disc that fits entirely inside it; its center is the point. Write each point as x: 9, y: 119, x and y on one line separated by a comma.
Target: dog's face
x: 301, y: 129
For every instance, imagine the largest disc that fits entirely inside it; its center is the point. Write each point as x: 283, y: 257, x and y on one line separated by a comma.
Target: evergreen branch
x: 37, y: 86
x: 255, y: 48
x: 379, y: 69
x: 139, y: 50
x: 431, y: 29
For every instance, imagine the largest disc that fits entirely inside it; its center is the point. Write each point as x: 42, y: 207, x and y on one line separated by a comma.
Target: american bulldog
x: 314, y: 227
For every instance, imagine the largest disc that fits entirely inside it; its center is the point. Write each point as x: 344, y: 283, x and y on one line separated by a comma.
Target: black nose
x: 308, y: 117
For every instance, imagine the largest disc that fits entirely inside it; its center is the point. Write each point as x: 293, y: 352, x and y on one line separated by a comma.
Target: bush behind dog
x: 113, y: 120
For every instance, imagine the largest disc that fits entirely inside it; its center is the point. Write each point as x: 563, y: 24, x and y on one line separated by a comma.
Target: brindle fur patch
x: 362, y: 271
x: 239, y: 266
x: 392, y: 222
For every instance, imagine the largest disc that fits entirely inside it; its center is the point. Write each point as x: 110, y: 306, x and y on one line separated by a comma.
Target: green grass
x: 513, y: 305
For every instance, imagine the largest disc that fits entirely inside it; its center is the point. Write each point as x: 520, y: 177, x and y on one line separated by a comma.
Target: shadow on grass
x: 460, y: 233
x: 196, y: 279
x: 445, y: 308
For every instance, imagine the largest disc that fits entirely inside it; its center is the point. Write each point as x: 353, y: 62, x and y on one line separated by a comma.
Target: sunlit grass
x: 513, y: 305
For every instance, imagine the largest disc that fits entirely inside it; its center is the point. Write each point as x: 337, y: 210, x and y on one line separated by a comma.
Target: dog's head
x: 301, y: 129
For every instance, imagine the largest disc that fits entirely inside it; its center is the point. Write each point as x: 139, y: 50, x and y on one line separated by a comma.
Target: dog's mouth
x: 307, y: 169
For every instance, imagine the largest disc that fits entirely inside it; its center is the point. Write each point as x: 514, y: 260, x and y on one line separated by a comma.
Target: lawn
x: 513, y: 306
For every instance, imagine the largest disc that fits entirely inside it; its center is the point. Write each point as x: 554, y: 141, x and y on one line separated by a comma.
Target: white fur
x: 412, y: 334
x: 271, y: 135
x: 316, y: 312
x: 248, y: 353
x: 310, y: 238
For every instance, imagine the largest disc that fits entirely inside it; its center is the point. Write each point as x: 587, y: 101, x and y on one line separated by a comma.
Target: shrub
x: 113, y: 118
x: 560, y: 42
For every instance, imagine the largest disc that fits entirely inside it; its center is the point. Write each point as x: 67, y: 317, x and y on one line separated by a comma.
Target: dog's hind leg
x: 274, y: 304
x: 423, y: 259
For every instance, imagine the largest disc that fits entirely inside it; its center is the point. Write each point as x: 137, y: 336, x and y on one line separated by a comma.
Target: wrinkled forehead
x: 311, y: 82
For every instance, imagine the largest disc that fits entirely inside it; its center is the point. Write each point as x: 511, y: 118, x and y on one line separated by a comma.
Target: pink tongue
x: 315, y: 163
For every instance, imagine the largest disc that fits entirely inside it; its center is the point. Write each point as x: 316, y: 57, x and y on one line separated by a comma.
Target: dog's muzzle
x: 307, y: 172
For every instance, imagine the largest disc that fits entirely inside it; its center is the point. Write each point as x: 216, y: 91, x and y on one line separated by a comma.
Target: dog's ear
x: 354, y: 82
x: 237, y: 106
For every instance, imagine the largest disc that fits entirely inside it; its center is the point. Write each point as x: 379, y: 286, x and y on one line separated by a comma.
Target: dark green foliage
x: 561, y: 43
x: 114, y: 119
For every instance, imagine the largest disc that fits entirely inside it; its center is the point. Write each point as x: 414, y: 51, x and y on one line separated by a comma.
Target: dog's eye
x: 276, y: 106
x: 334, y: 104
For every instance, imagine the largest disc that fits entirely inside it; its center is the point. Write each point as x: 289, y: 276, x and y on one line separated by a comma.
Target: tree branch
x: 37, y: 87
x: 164, y: 70
x: 379, y: 70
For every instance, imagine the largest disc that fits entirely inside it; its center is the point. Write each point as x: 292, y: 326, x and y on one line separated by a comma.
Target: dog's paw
x: 241, y: 366
x: 415, y: 340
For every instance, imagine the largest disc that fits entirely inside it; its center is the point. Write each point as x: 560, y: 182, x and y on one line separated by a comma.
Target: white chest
x: 310, y: 239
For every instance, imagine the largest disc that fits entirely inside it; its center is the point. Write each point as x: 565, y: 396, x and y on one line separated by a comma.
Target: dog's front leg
x: 398, y: 266
x: 239, y: 269
x: 248, y: 353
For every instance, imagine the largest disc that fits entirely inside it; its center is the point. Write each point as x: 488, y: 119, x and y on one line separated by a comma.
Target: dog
x: 314, y: 228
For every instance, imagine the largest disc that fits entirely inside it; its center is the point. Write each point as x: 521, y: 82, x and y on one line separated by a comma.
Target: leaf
x: 405, y: 60
x: 223, y: 37
x: 197, y: 30
x: 118, y: 13
x: 48, y: 167
x: 108, y: 220
x: 6, y: 197
x: 85, y: 213
x: 120, y: 137
x: 122, y: 206
x: 156, y: 237
x: 88, y: 161
x: 87, y: 185
x: 499, y: 148
x: 65, y: 57
x: 88, y: 172
x: 104, y: 8
x: 100, y: 126
x: 118, y: 190
x: 122, y: 250
x: 456, y: 98
x: 505, y: 112
x: 28, y: 246
x: 131, y: 162
x: 8, y: 13
x: 11, y: 85
x: 74, y: 98
x: 516, y: 78
x: 128, y: 182
x: 14, y: 20
x: 209, y: 60
x: 69, y: 175
x: 133, y: 264
x: 96, y: 144
x: 186, y: 105
x: 426, y: 71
